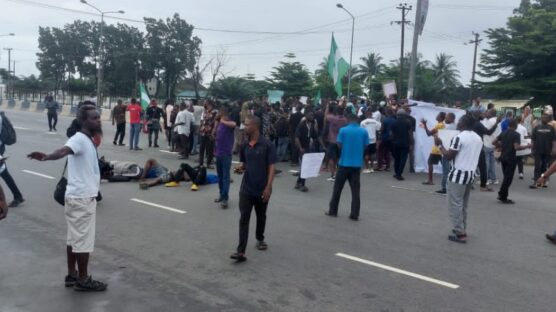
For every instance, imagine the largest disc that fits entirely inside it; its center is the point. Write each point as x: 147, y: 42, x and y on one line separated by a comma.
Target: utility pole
x: 476, y: 42
x: 417, y: 30
x: 9, y: 71
x: 405, y: 8
x: 13, y: 71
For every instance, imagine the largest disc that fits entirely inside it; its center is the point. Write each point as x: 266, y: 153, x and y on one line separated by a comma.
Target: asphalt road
x: 397, y: 258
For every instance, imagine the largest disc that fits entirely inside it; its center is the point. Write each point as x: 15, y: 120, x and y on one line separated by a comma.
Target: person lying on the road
x: 156, y: 174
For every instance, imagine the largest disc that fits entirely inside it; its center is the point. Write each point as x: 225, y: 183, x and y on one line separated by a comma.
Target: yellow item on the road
x: 172, y: 184
x: 194, y: 187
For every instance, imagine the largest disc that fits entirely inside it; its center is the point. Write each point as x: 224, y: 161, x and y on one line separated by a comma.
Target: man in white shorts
x: 83, y: 176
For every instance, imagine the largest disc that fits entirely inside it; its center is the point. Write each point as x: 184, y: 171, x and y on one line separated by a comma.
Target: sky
x: 449, y: 25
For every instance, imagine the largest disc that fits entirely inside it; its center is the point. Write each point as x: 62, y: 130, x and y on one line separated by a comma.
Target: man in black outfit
x: 509, y: 141
x: 5, y: 174
x: 402, y: 139
x: 481, y: 130
x: 257, y: 156
x: 306, y: 136
x: 543, y: 137
x: 154, y: 113
x: 295, y: 119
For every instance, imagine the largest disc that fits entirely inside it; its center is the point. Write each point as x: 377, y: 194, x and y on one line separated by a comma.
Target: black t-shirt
x: 256, y: 159
x: 154, y: 113
x: 306, y: 132
x: 508, y: 138
x: 400, y: 131
x: 281, y: 127
x: 542, y: 137
x: 295, y: 119
x: 234, y: 114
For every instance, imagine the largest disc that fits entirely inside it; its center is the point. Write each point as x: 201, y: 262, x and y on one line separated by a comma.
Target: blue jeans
x: 134, y: 131
x: 491, y: 163
x: 282, y: 148
x: 223, y: 165
x: 445, y: 171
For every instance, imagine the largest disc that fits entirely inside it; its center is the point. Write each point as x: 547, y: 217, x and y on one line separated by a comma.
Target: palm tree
x: 446, y: 74
x: 372, y: 66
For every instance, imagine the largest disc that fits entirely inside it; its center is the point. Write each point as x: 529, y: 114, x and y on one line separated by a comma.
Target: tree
x: 291, y: 77
x: 372, y: 67
x: 520, y: 59
x: 232, y: 88
x: 173, y: 50
x: 53, y: 61
x: 446, y: 77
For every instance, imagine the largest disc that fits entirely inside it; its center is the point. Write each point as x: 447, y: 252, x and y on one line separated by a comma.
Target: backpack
x: 7, y: 134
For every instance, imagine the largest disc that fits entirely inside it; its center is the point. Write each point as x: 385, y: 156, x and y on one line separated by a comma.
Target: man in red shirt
x: 135, y: 111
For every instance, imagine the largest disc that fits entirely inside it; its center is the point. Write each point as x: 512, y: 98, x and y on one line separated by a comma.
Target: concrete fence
x: 39, y: 107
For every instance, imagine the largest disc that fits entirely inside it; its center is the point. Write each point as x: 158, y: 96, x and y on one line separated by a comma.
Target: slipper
x: 238, y: 257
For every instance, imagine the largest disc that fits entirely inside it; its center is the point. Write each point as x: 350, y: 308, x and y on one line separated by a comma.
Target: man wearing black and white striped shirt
x: 464, y: 152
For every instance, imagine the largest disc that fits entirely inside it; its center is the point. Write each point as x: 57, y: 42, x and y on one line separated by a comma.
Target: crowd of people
x: 355, y: 136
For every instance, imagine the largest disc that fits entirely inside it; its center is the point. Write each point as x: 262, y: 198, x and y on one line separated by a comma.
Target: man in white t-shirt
x: 522, y: 154
x: 372, y: 126
x: 83, y: 182
x: 488, y: 148
x: 464, y: 152
x: 184, y: 119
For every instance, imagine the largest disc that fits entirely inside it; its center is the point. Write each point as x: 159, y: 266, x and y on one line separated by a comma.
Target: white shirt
x: 468, y: 144
x: 371, y: 126
x: 523, y: 141
x: 489, y: 139
x: 169, y: 110
x: 377, y: 116
x: 198, y: 112
x: 451, y: 126
x: 83, y: 170
x: 185, y: 117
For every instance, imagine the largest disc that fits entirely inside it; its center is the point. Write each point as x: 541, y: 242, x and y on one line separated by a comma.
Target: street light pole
x: 339, y: 5
x: 100, y: 48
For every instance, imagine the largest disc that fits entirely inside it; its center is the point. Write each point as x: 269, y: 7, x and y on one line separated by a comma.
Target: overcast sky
x: 450, y: 23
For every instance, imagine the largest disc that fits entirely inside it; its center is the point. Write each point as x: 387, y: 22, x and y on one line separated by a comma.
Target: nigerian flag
x: 144, y: 96
x: 317, y: 99
x: 337, y: 66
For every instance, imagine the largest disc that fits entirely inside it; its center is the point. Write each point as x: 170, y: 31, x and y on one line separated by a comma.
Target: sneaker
x: 489, y: 182
x: 156, y: 145
x: 121, y: 144
x: 138, y: 149
x: 304, y: 189
x: 238, y: 257
x: 297, y: 186
x: 16, y: 202
x: 367, y: 171
x: 458, y: 238
x: 172, y: 184
x: 89, y: 285
x: 218, y: 200
x: 224, y: 204
x: 441, y: 191
x: 521, y: 176
x: 486, y: 189
x: 70, y: 280
x: 495, y: 182
x: 194, y: 187
x: 261, y: 245
x: 114, y: 143
x: 331, y: 179
x: 371, y: 170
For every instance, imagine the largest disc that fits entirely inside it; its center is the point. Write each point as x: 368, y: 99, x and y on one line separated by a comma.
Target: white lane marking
x: 157, y: 205
x: 414, y: 190
x: 399, y: 271
x: 21, y: 128
x: 38, y: 174
x: 165, y: 151
x: 52, y: 133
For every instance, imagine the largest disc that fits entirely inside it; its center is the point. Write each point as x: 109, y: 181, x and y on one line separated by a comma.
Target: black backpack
x: 7, y: 134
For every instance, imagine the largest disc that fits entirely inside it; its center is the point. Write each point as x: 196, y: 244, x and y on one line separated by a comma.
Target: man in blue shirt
x: 352, y: 140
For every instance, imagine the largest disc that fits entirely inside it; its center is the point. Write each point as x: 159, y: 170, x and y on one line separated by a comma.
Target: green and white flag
x: 337, y: 66
x: 145, y: 100
x: 317, y: 99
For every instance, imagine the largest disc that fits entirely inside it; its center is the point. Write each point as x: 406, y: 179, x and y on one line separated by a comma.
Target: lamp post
x: 100, y: 48
x: 339, y: 5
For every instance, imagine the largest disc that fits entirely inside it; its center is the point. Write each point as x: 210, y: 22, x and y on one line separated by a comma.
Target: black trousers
x: 206, y: 148
x: 155, y: 131
x: 541, y: 164
x: 183, y: 144
x: 52, y: 120
x: 520, y: 160
x: 353, y: 176
x: 11, y: 184
x: 197, y: 176
x: 246, y: 204
x: 508, y: 169
x: 483, y: 169
x: 120, y: 133
x: 400, y: 154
